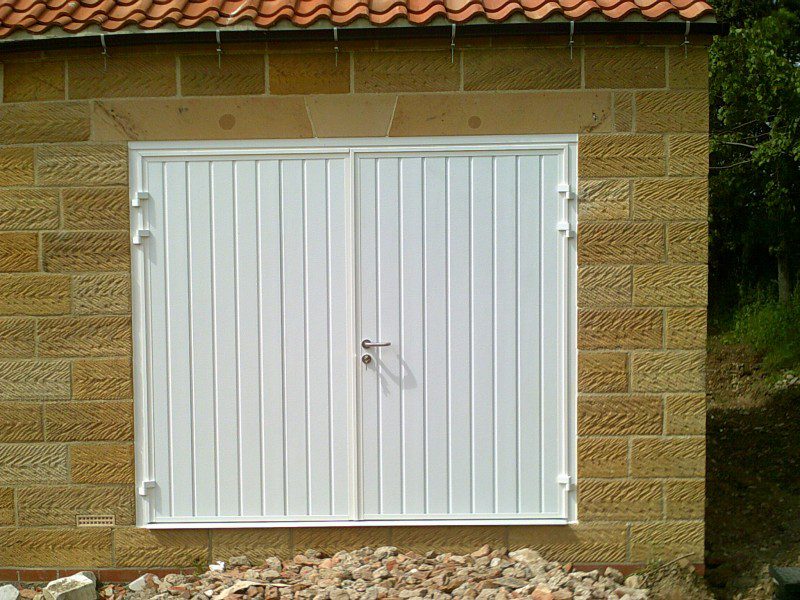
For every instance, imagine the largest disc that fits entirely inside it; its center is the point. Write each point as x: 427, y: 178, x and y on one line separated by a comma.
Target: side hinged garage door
x: 358, y: 330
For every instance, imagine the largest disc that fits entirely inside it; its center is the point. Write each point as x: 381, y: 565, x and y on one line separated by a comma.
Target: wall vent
x: 95, y: 520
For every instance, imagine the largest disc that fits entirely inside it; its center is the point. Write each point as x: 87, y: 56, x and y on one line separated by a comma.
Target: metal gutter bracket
x: 452, y: 43
x: 685, y: 43
x: 571, y: 37
x: 336, y: 45
x: 104, y: 52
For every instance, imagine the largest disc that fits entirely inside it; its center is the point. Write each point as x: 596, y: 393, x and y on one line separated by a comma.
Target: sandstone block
x: 16, y: 166
x: 685, y: 498
x: 29, y: 208
x: 144, y: 548
x: 96, y: 208
x: 670, y: 285
x: 101, y: 463
x: 47, y: 122
x: 66, y: 252
x: 458, y: 540
x: 604, y: 285
x: 623, y: 111
x: 62, y: 548
x: 19, y: 252
x: 329, y: 538
x: 688, y: 155
x: 669, y: 371
x: 315, y: 73
x: 21, y: 422
x: 626, y: 67
x: 640, y: 155
x: 17, y: 338
x: 9, y: 592
x: 619, y: 328
x: 60, y: 505
x: 584, y: 543
x: 619, y: 415
x: 686, y: 328
x: 84, y: 337
x: 414, y: 71
x: 331, y: 114
x: 255, y: 544
x: 665, y: 541
x: 520, y: 69
x: 511, y: 113
x: 74, y: 587
x: 672, y: 111
x: 668, y: 457
x: 603, y: 457
x: 102, y: 380
x: 34, y: 294
x: 603, y: 200
x: 35, y: 380
x: 105, y: 294
x: 88, y: 421
x: 687, y: 242
x: 602, y: 372
x: 620, y: 243
x: 7, y: 510
x: 688, y: 68
x: 91, y: 164
x: 670, y: 199
x: 608, y: 500
x: 27, y: 82
x: 685, y: 414
x: 233, y: 75
x: 132, y: 75
x: 32, y: 463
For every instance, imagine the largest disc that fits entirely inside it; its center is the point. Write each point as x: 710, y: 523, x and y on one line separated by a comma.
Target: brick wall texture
x: 66, y: 400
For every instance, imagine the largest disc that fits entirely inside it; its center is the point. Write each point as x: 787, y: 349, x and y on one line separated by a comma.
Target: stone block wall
x: 66, y: 400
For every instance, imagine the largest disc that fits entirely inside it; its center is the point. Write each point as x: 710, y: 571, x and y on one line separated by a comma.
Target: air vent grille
x: 96, y: 520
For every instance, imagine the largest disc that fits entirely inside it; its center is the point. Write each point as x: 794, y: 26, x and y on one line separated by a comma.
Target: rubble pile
x: 385, y: 572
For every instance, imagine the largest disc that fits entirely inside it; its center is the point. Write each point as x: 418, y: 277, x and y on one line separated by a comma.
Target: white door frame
x: 142, y: 152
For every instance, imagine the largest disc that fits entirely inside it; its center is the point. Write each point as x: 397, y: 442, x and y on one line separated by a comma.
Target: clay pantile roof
x: 36, y: 16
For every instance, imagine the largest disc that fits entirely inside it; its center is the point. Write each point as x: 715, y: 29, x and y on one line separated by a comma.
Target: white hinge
x: 564, y: 227
x: 137, y: 200
x: 146, y: 486
x: 564, y: 188
x: 139, y: 234
x: 565, y: 479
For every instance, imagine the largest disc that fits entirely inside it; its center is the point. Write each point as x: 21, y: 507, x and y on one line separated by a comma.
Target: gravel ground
x: 386, y: 573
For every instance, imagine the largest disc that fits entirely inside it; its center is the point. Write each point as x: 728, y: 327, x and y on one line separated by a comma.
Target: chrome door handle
x: 366, y: 344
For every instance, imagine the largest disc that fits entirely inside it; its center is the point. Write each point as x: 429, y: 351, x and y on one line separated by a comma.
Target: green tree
x: 755, y: 143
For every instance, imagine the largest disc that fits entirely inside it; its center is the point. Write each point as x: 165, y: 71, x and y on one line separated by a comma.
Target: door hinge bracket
x: 564, y: 227
x: 564, y: 188
x: 146, y: 486
x: 140, y: 197
x: 140, y: 234
x: 566, y: 480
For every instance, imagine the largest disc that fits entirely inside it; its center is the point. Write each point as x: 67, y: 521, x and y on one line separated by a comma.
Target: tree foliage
x: 755, y: 144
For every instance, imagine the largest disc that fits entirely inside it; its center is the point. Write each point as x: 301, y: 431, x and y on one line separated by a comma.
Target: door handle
x: 366, y: 344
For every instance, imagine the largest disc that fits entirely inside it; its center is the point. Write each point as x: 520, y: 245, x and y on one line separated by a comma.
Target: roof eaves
x: 247, y: 30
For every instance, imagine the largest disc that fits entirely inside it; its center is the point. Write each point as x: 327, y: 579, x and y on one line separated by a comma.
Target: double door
x: 353, y: 334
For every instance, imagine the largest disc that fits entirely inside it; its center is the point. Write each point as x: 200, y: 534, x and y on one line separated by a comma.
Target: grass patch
x: 771, y: 329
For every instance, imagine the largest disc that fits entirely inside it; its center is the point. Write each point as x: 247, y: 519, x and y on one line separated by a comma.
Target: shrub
x: 771, y: 329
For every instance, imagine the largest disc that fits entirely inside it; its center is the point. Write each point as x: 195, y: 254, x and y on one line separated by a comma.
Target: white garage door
x: 354, y: 331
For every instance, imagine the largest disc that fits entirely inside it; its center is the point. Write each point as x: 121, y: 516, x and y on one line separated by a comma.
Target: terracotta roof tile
x: 37, y: 16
